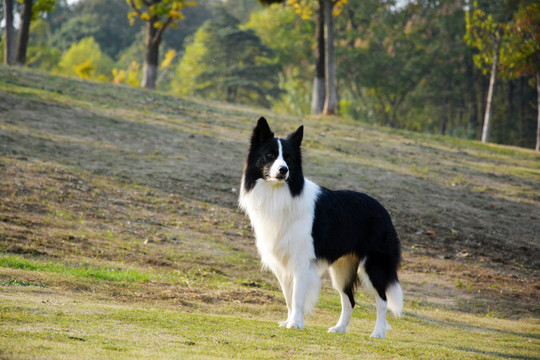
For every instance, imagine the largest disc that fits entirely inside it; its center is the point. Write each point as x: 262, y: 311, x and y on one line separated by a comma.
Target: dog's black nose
x: 283, y: 170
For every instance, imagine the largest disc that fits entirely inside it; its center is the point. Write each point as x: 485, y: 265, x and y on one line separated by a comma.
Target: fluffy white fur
x: 282, y: 227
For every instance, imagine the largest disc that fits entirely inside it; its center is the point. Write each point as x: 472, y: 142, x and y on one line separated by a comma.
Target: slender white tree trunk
x: 317, y: 100
x: 537, y: 147
x: 487, y: 118
x: 319, y: 86
x: 330, y: 101
x: 149, y: 76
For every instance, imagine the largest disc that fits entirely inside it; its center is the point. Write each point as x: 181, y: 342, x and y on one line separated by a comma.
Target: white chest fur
x: 282, y: 223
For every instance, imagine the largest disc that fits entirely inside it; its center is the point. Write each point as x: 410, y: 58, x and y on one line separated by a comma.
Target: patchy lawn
x: 120, y: 235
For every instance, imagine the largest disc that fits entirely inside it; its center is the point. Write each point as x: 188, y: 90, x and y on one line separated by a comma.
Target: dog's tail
x: 394, y: 296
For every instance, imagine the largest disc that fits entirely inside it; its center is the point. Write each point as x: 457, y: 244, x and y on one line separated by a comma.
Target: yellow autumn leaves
x: 160, y: 13
x: 304, y: 8
x: 131, y: 75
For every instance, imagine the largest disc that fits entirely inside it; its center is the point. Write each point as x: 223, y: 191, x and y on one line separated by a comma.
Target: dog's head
x: 275, y: 160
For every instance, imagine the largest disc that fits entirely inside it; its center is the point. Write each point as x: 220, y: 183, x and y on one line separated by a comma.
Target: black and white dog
x: 302, y: 229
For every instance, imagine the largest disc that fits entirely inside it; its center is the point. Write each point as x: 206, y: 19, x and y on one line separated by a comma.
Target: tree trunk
x: 330, y: 101
x: 445, y: 117
x: 24, y: 32
x: 9, y: 46
x: 151, y: 58
x: 317, y: 100
x: 471, y: 79
x: 522, y: 104
x: 537, y: 147
x: 487, y: 117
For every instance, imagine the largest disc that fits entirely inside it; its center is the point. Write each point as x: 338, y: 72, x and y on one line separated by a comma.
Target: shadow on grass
x: 463, y: 326
x: 496, y: 353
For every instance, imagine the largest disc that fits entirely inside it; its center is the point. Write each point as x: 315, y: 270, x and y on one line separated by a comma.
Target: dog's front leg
x: 306, y: 287
x: 287, y: 287
x: 296, y: 318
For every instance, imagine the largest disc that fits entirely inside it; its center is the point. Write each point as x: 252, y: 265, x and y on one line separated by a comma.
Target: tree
x: 104, y: 20
x: 319, y: 86
x: 158, y: 15
x: 85, y: 60
x: 191, y: 65
x: 521, y: 56
x: 330, y: 92
x: 383, y: 57
x: 442, y: 84
x: 24, y: 31
x: 227, y: 63
x: 30, y: 10
x: 9, y: 45
x: 40, y: 54
x: 487, y: 35
x: 290, y: 37
x: 325, y: 49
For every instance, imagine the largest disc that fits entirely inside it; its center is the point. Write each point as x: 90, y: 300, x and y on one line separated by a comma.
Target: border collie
x: 302, y: 229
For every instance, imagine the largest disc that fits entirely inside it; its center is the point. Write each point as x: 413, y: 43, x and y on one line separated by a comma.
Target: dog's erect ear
x: 297, y: 136
x: 262, y: 132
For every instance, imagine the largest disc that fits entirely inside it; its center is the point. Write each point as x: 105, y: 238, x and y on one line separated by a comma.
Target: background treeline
x: 403, y: 64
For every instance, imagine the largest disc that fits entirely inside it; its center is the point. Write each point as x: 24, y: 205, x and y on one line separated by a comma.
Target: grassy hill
x: 120, y: 235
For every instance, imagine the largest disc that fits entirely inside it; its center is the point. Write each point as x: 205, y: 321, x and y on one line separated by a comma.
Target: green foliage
x: 290, y: 37
x: 227, y: 63
x: 104, y: 20
x: 483, y: 33
x: 521, y: 56
x: 406, y: 66
x: 85, y: 59
x: 194, y: 18
x: 39, y: 53
x: 191, y: 66
x: 41, y: 6
x: 389, y: 54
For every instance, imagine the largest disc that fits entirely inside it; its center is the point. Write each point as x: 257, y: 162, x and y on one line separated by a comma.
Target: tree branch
x: 134, y: 8
x: 162, y: 29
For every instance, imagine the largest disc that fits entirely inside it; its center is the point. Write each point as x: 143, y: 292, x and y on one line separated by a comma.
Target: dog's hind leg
x: 344, y: 279
x: 380, y: 324
x: 380, y: 279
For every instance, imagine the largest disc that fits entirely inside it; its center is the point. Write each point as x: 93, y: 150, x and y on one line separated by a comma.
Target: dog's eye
x: 270, y: 156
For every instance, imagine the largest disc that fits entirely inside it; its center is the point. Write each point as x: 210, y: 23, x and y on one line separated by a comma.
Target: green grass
x: 81, y: 328
x: 89, y: 271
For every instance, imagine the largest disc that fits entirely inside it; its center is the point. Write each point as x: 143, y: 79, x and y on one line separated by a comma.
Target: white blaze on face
x: 278, y: 166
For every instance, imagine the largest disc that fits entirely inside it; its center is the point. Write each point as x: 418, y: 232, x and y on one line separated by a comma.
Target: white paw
x: 294, y: 325
x: 283, y: 323
x: 377, y: 334
x: 338, y: 329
